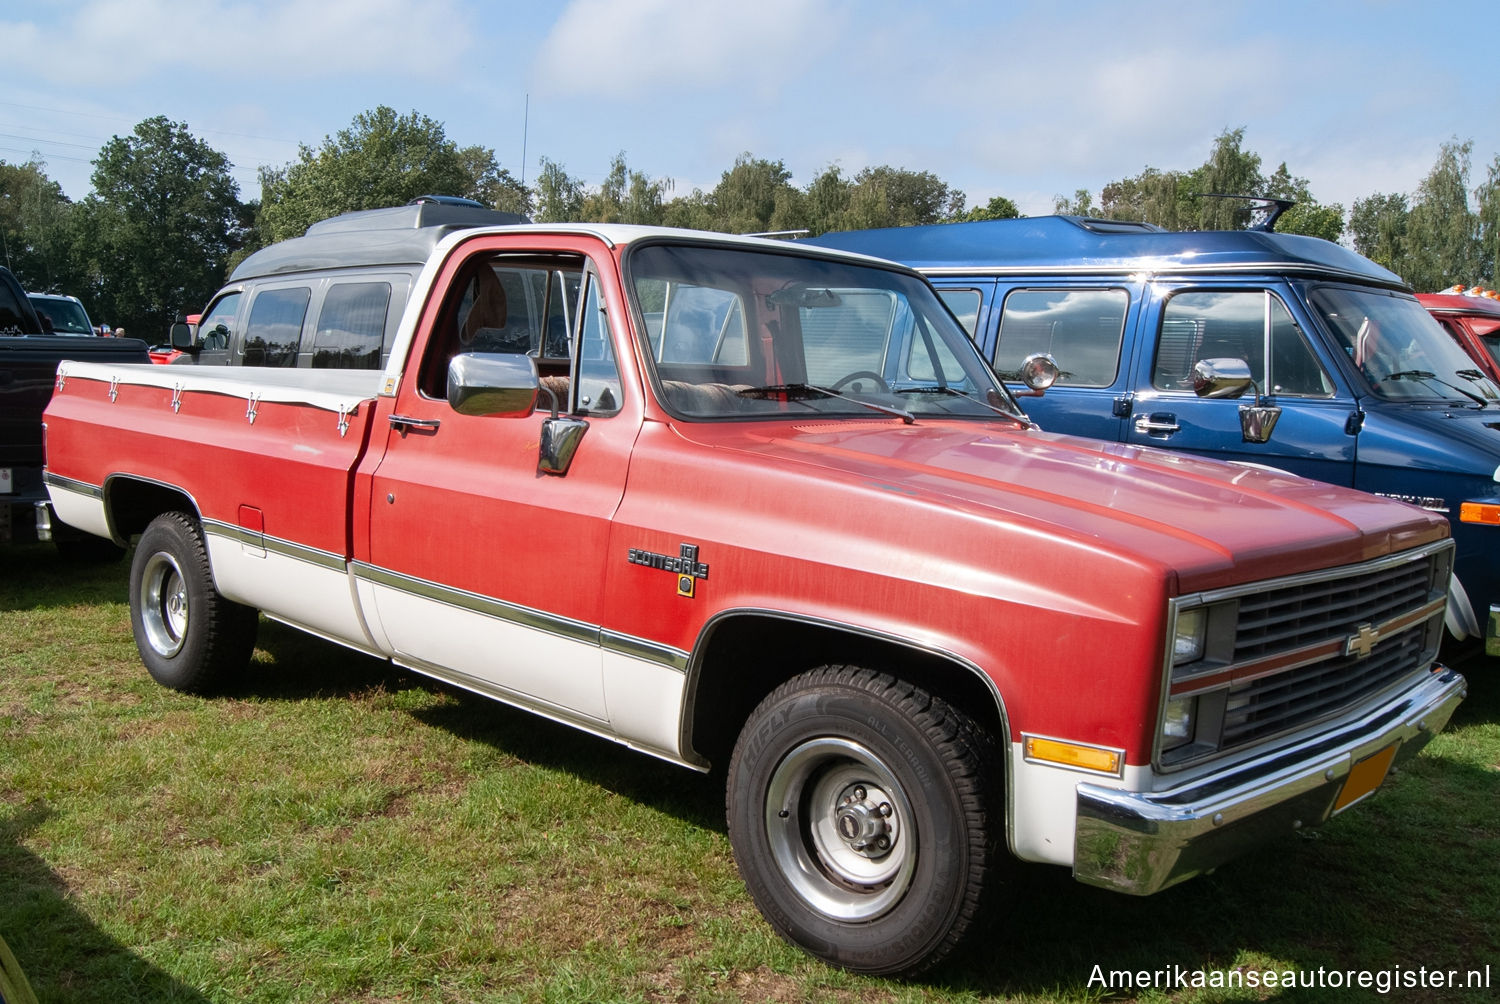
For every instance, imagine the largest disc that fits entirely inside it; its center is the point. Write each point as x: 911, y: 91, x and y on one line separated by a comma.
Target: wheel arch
x: 131, y: 502
x: 742, y: 655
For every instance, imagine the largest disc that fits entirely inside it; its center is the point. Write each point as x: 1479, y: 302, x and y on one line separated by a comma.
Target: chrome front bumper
x: 1143, y: 842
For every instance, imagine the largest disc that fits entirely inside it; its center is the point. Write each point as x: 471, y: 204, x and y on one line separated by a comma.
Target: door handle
x: 1157, y: 425
x: 405, y: 423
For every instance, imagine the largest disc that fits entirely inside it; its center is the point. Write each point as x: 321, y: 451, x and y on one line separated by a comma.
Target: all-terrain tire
x: 190, y: 637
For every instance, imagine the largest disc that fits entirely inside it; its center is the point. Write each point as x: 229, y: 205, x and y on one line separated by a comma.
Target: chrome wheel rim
x: 164, y: 604
x: 841, y: 829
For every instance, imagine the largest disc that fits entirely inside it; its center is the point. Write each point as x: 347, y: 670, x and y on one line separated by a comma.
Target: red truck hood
x: 1215, y: 524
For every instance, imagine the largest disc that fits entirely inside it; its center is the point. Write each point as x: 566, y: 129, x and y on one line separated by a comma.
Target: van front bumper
x: 1143, y: 842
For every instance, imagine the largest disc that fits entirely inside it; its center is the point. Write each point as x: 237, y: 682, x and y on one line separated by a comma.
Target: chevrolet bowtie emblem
x: 1362, y: 642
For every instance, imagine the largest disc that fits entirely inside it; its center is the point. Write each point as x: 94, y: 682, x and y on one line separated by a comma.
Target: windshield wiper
x: 945, y: 389
x: 1429, y: 375
x: 787, y: 389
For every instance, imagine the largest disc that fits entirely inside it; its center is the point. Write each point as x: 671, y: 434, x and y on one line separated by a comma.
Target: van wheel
x: 861, y: 815
x: 190, y: 637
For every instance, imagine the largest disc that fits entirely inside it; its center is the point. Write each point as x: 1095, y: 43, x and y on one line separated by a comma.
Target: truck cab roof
x: 1086, y: 246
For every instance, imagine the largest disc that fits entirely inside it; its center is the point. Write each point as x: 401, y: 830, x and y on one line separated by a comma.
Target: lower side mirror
x: 560, y: 439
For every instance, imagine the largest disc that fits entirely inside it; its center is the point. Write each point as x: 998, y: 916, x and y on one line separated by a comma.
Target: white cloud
x: 216, y: 43
x: 621, y: 49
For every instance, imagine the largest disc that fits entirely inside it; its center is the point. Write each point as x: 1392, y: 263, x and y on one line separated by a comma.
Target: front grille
x: 1306, y: 614
x: 1310, y: 624
x: 1274, y: 704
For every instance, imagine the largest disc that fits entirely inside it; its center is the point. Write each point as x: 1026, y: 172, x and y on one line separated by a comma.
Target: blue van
x: 1353, y: 381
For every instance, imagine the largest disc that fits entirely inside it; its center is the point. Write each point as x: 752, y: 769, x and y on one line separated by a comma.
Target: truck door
x: 481, y: 568
x: 1083, y: 326
x: 1314, y: 433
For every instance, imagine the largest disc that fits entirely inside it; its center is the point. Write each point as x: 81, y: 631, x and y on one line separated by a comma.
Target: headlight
x: 1187, y: 638
x: 1177, y: 721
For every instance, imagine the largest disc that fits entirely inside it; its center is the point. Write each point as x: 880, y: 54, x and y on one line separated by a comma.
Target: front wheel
x: 861, y: 812
x: 190, y: 637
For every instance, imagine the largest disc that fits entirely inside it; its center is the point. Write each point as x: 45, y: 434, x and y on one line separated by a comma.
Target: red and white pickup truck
x: 732, y: 501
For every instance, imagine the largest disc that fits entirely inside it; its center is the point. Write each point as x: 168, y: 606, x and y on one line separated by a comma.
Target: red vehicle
x: 731, y: 501
x: 1473, y: 319
x: 166, y: 354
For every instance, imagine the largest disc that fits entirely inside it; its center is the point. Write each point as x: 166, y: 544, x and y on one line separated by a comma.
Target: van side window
x: 217, y: 328
x: 965, y: 306
x: 351, y: 325
x: 1251, y: 325
x: 1080, y: 328
x: 274, y: 330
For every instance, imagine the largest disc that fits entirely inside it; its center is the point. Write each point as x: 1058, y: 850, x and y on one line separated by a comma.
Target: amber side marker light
x: 1072, y: 755
x: 1479, y: 512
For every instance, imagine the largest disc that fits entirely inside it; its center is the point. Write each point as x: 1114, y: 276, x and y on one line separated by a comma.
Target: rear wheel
x: 190, y: 637
x: 861, y: 816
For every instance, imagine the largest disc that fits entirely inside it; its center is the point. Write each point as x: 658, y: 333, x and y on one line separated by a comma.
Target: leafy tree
x: 998, y: 208
x: 826, y: 201
x: 1377, y: 228
x: 1443, y: 240
x: 382, y: 159
x: 1488, y: 235
x: 894, y: 197
x: 559, y: 196
x: 1229, y: 170
x: 755, y: 196
x: 626, y: 196
x: 1081, y: 204
x: 163, y: 217
x: 36, y: 228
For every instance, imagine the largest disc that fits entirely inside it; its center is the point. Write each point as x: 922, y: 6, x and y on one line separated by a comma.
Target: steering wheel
x: 860, y: 375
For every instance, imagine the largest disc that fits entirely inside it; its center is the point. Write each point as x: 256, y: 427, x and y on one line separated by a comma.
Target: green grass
x: 337, y: 830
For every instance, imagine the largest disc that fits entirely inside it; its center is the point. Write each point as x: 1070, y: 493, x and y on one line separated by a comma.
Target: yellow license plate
x: 1365, y: 776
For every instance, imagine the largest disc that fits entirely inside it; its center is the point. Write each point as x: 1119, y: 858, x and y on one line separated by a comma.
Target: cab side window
x: 274, y: 330
x: 1250, y: 325
x: 1080, y: 328
x: 350, y: 326
x: 597, y: 375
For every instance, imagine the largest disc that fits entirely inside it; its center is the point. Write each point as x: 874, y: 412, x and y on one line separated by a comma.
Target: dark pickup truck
x: 28, y: 372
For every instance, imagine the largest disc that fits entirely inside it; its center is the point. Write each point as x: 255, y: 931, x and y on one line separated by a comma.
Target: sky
x: 1029, y: 100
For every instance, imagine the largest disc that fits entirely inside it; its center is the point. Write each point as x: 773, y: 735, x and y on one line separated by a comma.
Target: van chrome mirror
x: 1221, y: 377
x: 493, y: 383
x: 1038, y: 372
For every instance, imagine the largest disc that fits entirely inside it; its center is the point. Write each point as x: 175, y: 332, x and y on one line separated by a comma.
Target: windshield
x: 67, y: 316
x: 1399, y: 349
x: 746, y: 334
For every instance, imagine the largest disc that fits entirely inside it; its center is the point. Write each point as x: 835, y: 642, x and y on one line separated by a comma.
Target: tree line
x: 165, y: 222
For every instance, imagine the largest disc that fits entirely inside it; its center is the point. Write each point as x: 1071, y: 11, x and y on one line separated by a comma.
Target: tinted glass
x: 351, y: 326
x: 965, y: 306
x: 1251, y: 325
x: 67, y: 317
x: 1080, y: 328
x: 1398, y: 348
x: 274, y: 330
x: 216, y: 329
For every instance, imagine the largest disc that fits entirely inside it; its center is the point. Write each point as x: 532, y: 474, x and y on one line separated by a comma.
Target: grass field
x: 337, y: 830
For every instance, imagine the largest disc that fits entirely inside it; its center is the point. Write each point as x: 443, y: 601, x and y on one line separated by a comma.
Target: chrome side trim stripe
x: 646, y: 651
x: 528, y: 617
x: 68, y: 484
x: 286, y: 548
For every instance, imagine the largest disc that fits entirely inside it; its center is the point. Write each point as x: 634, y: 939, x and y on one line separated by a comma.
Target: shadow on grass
x: 64, y: 956
x: 36, y: 577
x: 297, y: 665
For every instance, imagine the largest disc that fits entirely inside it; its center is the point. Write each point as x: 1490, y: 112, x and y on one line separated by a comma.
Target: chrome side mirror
x: 1038, y: 372
x: 1221, y: 378
x: 1231, y: 378
x: 492, y: 383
